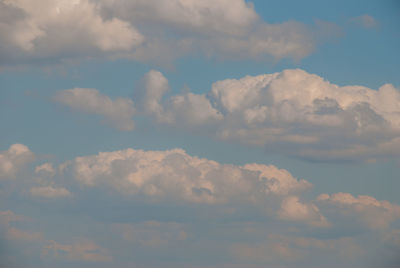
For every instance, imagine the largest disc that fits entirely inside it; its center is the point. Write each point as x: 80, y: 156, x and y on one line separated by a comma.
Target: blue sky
x: 199, y: 133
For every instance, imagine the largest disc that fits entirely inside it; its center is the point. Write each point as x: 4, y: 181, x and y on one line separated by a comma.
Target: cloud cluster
x: 176, y: 176
x: 260, y: 213
x: 50, y: 31
x: 291, y: 112
x: 55, y: 31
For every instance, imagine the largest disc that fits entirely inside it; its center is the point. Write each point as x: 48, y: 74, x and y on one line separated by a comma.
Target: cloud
x: 157, y: 31
x: 291, y: 112
x: 20, y: 235
x: 175, y: 176
x: 9, y: 216
x: 46, y: 169
x: 49, y: 192
x: 188, y: 109
x: 80, y: 250
x: 293, y: 209
x: 294, y: 249
x: 253, y: 213
x: 14, y: 160
x: 371, y: 212
x: 44, y: 184
x: 8, y: 219
x: 365, y: 21
x: 227, y: 29
x: 116, y: 112
x: 207, y: 16
x: 51, y: 31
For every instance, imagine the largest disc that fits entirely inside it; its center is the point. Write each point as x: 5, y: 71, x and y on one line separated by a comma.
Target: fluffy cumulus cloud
x: 176, y: 176
x: 116, y: 112
x: 215, y: 28
x: 188, y: 109
x: 295, y: 210
x: 53, y: 31
x: 14, y: 159
x: 255, y: 213
x: 50, y: 31
x: 291, y: 112
x: 371, y: 212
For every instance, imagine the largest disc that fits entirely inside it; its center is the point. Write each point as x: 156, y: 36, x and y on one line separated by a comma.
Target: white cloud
x: 46, y: 169
x: 291, y: 112
x: 116, y: 112
x: 372, y: 212
x: 294, y: 210
x: 55, y: 31
x: 176, y: 176
x: 188, y: 109
x: 14, y: 159
x: 222, y: 29
x: 230, y: 16
x: 248, y: 213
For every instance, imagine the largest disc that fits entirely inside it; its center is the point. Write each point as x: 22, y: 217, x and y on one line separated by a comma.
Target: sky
x: 199, y: 134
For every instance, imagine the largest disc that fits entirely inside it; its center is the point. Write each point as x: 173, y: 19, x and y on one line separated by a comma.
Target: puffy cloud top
x: 55, y: 31
x: 175, y: 175
x: 14, y: 159
x: 375, y: 213
x: 291, y: 112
